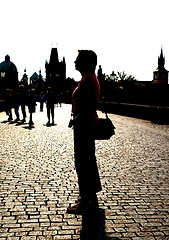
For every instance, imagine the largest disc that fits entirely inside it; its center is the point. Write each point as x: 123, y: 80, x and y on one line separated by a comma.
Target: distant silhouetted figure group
x: 20, y: 98
x: 23, y: 98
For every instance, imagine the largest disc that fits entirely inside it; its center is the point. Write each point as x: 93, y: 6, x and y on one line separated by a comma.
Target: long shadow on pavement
x: 93, y: 226
x: 29, y: 127
x: 4, y: 121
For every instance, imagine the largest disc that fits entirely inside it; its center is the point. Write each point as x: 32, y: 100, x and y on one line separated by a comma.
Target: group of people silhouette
x: 22, y: 98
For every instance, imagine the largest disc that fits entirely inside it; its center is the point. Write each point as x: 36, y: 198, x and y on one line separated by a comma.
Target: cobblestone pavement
x: 38, y: 180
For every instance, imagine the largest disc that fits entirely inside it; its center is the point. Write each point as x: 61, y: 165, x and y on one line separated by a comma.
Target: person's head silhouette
x: 86, y: 61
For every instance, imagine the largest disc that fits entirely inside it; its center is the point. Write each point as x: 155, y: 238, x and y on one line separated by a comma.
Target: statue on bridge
x: 8, y: 75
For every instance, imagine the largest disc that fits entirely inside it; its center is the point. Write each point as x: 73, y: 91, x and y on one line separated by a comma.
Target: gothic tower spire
x: 160, y: 76
x: 161, y: 60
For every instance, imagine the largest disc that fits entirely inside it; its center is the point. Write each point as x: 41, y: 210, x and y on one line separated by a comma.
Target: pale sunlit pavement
x: 38, y: 181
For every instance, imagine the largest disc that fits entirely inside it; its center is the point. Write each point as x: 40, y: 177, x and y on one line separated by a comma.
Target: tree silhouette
x: 120, y: 76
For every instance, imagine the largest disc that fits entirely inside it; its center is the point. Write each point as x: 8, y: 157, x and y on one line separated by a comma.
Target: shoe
x: 82, y: 206
x: 76, y: 209
x: 10, y: 119
x: 17, y: 120
x: 31, y: 123
x: 52, y: 124
x: 48, y: 123
x: 23, y: 120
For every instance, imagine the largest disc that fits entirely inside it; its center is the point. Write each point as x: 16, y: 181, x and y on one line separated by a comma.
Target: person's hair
x: 89, y: 58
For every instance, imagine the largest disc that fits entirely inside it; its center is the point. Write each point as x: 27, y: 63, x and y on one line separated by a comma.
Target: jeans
x: 85, y: 160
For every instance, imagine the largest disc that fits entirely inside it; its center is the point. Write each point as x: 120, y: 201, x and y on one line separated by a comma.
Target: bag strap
x: 106, y: 115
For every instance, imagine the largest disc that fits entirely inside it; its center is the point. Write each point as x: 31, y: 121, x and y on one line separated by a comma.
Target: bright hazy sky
x: 127, y: 35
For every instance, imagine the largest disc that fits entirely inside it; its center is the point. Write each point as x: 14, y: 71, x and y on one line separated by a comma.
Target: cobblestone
x: 38, y: 181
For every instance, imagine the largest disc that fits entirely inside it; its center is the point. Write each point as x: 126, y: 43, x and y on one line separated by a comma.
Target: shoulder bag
x: 104, y: 129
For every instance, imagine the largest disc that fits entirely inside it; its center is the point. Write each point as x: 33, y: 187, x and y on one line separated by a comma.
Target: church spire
x: 161, y: 60
x: 161, y: 54
x: 160, y: 76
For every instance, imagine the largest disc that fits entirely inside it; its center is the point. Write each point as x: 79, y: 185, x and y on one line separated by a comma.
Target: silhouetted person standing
x: 9, y: 104
x: 31, y: 105
x: 84, y: 106
x: 16, y: 104
x: 41, y: 100
x: 50, y: 100
x: 60, y: 96
x: 22, y: 96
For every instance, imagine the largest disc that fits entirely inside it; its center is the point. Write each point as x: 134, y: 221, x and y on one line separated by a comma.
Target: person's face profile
x: 78, y: 63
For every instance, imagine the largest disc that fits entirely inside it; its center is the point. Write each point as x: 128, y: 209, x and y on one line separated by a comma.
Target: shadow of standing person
x: 93, y: 226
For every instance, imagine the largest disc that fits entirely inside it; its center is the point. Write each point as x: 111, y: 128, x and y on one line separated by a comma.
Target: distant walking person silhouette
x: 41, y: 100
x: 22, y: 96
x: 31, y: 105
x: 85, y: 98
x: 9, y: 104
x: 50, y: 100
